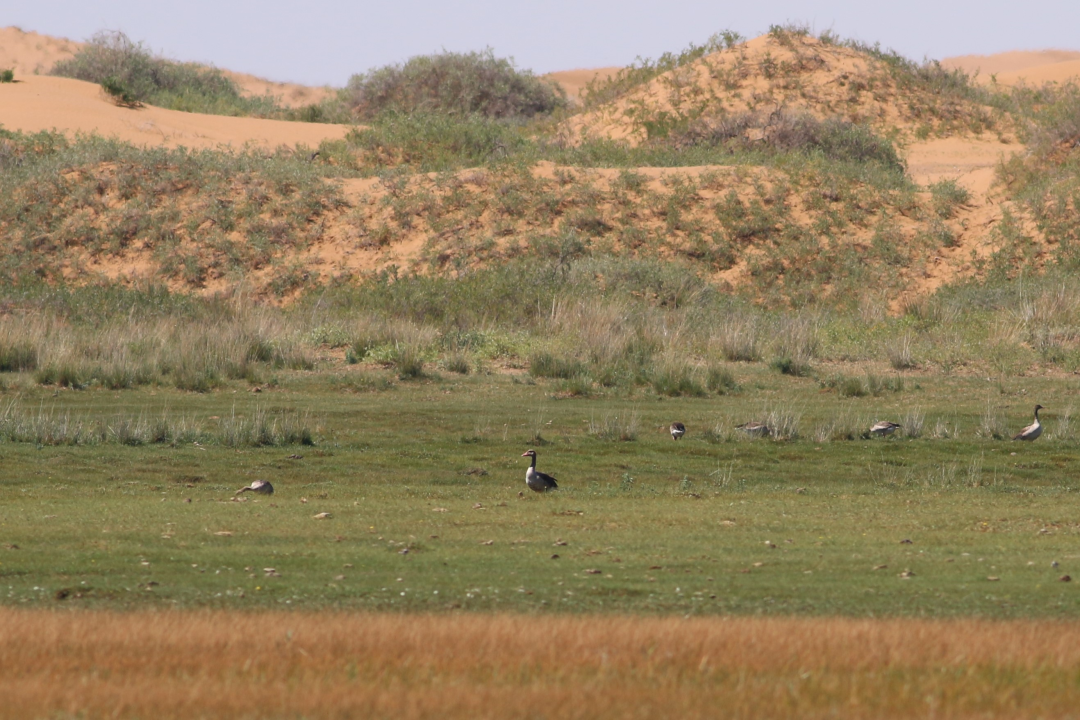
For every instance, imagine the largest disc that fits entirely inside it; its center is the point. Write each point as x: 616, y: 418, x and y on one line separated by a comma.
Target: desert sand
x: 39, y: 102
x: 574, y: 82
x: 1033, y: 67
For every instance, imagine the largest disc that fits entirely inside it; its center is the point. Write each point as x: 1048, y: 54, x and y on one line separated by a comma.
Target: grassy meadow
x: 422, y: 481
x: 566, y: 295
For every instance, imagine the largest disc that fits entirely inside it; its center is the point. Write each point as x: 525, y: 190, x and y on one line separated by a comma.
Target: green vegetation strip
x: 409, y: 499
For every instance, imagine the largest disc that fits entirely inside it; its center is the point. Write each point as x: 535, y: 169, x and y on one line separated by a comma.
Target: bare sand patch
x: 39, y: 103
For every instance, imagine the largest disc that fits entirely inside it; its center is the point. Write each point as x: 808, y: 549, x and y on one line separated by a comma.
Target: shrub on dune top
x: 457, y: 83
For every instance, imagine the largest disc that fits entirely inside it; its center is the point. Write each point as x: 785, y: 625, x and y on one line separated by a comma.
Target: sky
x: 324, y: 42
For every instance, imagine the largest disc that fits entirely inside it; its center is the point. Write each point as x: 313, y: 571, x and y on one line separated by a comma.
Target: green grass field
x: 422, y: 485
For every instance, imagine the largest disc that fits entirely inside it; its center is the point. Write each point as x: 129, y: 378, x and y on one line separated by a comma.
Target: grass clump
x: 544, y: 364
x: 476, y: 83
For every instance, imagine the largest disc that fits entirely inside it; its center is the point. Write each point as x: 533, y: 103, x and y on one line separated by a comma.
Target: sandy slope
x: 30, y: 53
x: 38, y: 103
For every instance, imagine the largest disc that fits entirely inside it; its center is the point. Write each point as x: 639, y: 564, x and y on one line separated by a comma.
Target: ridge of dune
x: 30, y: 53
x: 1013, y: 61
x: 575, y: 81
x: 1033, y: 67
x: 40, y: 102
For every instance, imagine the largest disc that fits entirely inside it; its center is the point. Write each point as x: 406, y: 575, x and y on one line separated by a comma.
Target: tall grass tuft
x: 613, y: 427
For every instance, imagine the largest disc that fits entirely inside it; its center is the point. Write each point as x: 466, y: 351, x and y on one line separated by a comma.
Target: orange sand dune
x: 1033, y: 67
x: 38, y: 103
x: 287, y: 94
x: 29, y: 53
x: 575, y: 81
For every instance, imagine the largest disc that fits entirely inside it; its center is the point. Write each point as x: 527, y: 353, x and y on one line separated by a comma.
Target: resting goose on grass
x: 677, y: 430
x: 754, y: 429
x: 261, y: 487
x: 884, y: 427
x: 536, y: 480
x: 1033, y: 430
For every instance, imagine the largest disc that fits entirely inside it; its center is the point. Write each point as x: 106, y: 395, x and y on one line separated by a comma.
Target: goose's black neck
x: 533, y: 466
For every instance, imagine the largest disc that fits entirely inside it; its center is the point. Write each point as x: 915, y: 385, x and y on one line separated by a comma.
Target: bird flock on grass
x: 542, y: 482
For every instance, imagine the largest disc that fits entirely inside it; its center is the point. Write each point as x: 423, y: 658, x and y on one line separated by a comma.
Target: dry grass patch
x: 217, y: 664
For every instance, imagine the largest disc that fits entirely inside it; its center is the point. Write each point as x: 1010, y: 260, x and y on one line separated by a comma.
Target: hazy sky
x: 324, y: 42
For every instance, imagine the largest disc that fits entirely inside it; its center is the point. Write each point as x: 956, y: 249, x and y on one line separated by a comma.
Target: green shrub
x: 453, y: 83
x: 131, y: 74
x: 7, y: 76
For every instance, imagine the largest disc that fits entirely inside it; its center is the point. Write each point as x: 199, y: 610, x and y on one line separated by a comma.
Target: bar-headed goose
x: 261, y: 487
x: 1033, y: 430
x: 755, y: 429
x: 536, y: 480
x: 884, y: 427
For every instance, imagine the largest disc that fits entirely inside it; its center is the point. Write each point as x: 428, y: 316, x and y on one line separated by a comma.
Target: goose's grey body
x: 677, y: 430
x: 262, y: 487
x: 536, y: 480
x: 755, y: 429
x: 1033, y: 430
x: 884, y: 427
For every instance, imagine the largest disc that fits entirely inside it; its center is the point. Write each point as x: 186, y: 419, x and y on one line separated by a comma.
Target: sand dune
x: 29, y: 53
x: 575, y: 81
x: 288, y: 94
x: 38, y: 103
x: 1009, y: 68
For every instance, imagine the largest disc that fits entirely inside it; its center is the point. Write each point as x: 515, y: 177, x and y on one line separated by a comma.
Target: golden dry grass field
x: 248, y: 665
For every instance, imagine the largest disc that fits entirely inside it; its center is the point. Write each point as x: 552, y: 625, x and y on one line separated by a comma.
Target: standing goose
x: 884, y: 427
x: 536, y: 480
x: 755, y: 429
x: 677, y: 430
x: 1033, y: 430
x: 261, y: 487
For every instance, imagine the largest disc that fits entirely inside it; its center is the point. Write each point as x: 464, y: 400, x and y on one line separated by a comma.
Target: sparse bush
x: 131, y: 74
x: 476, y: 83
x: 7, y: 76
x: 947, y: 195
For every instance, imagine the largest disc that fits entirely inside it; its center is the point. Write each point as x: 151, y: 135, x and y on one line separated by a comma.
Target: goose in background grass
x: 260, y: 487
x: 755, y: 429
x: 536, y: 480
x: 884, y: 427
x: 1033, y: 430
x: 677, y: 430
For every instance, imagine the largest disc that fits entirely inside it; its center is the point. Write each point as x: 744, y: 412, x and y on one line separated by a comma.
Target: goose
x: 536, y: 480
x: 262, y: 487
x: 677, y: 430
x: 884, y: 427
x: 755, y: 429
x: 1033, y: 430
